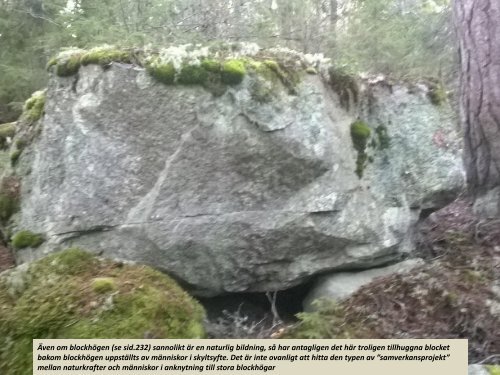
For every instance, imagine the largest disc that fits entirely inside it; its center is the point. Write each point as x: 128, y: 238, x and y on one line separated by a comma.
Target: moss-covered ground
x: 72, y: 294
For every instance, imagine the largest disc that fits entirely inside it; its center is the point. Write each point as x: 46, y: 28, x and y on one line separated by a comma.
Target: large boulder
x: 245, y: 186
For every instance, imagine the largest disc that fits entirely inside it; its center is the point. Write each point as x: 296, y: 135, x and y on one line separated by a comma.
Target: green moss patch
x: 233, y: 72
x: 25, y: 238
x: 72, y: 294
x: 34, y: 106
x: 14, y: 156
x: 69, y: 66
x: 105, y: 56
x: 164, y: 73
x: 103, y: 285
x: 211, y: 65
x: 192, y: 75
x: 493, y: 369
x: 360, y: 134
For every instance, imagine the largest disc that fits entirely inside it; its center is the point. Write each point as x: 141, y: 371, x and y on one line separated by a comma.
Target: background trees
x: 401, y: 37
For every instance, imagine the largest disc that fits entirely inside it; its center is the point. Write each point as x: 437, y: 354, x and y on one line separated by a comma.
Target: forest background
x: 404, y: 39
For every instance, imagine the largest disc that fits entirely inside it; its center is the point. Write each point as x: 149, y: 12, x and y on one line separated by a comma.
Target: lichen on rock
x: 73, y: 294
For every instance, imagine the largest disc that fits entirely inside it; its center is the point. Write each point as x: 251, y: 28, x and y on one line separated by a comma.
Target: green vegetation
x: 25, y: 238
x: 6, y: 131
x: 59, y: 300
x: 493, y: 369
x: 69, y: 66
x: 360, y: 134
x: 34, y: 106
x: 329, y: 321
x: 164, y: 73
x: 233, y: 72
x: 211, y: 65
x: 105, y: 56
x: 396, y: 41
x: 14, y: 156
x: 8, y: 205
x: 103, y: 285
x: 192, y: 75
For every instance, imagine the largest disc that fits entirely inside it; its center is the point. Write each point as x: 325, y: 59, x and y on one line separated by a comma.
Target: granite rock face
x: 229, y: 193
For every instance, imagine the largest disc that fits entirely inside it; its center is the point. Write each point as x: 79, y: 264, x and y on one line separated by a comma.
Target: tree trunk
x: 478, y: 29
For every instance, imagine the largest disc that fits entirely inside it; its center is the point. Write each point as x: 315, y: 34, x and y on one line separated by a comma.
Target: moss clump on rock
x: 34, y: 106
x: 192, y: 75
x: 162, y: 72
x: 58, y: 300
x: 26, y: 238
x: 360, y: 134
x: 8, y: 205
x: 233, y: 72
x: 211, y: 65
x: 69, y: 66
x: 52, y: 62
x: 105, y: 56
x: 14, y: 156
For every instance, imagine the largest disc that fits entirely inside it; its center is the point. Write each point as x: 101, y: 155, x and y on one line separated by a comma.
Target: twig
x: 488, y: 358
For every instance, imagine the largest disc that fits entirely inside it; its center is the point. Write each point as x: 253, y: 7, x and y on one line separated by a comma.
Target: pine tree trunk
x: 478, y: 29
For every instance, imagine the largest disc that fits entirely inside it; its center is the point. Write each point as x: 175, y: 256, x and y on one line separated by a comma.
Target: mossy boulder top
x: 235, y: 169
x: 74, y: 294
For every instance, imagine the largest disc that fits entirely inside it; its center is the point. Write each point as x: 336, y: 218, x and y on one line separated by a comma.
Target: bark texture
x: 478, y: 30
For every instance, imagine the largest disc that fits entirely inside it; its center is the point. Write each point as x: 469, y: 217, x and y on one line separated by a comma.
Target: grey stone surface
x: 478, y: 370
x: 339, y: 286
x: 225, y: 193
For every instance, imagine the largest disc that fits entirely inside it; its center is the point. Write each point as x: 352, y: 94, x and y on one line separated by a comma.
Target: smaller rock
x: 339, y: 286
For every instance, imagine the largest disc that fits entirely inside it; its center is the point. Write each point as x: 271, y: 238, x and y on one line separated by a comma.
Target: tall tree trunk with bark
x: 478, y: 29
